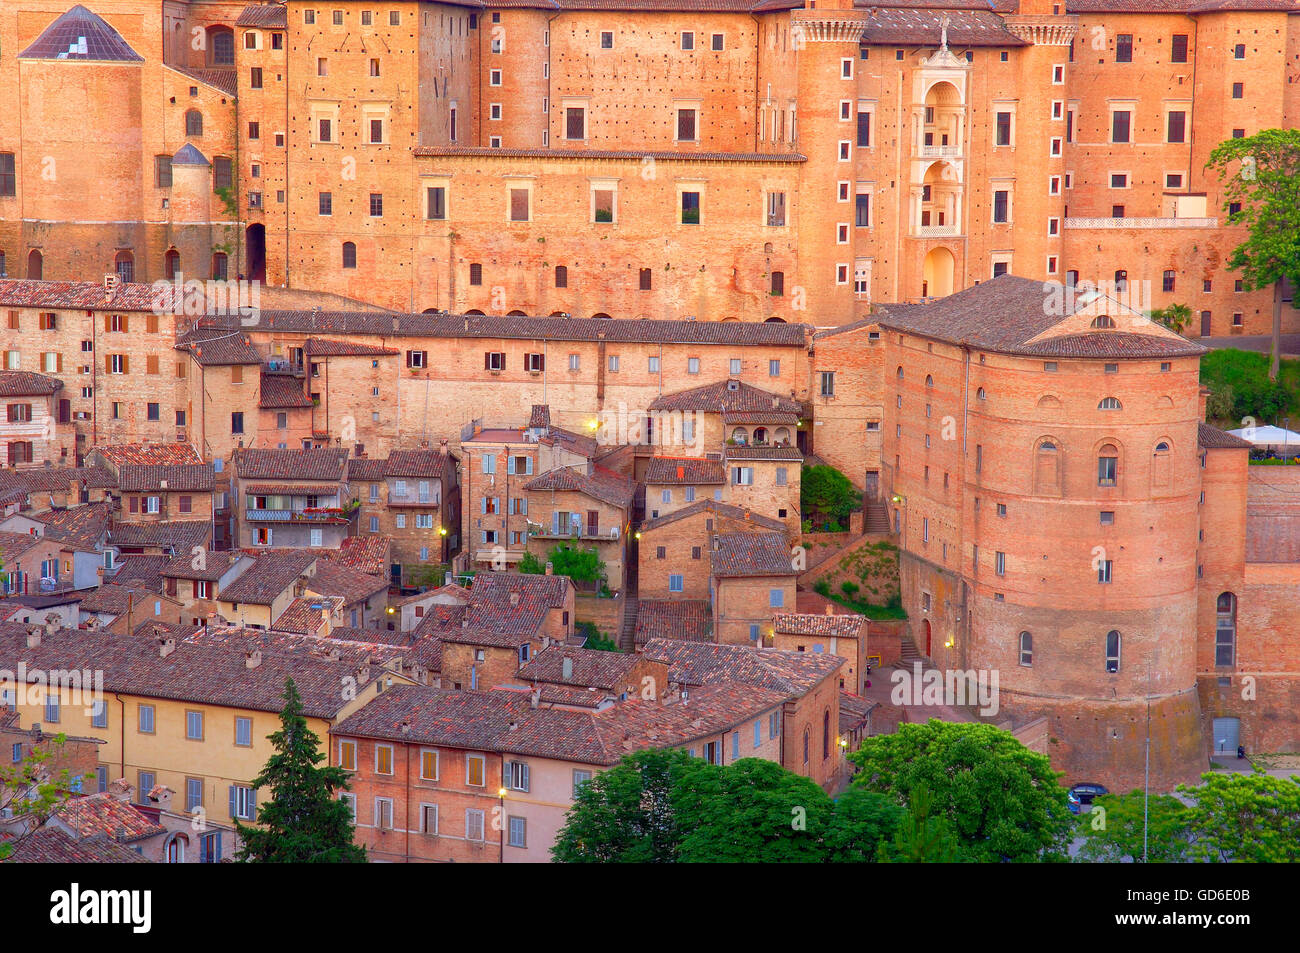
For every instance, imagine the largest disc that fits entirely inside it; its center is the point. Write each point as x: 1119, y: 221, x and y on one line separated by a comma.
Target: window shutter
x: 408, y: 358
x: 126, y: 368
x: 58, y: 361
x: 108, y: 362
x: 482, y: 503
x: 487, y: 360
x: 124, y: 323
x: 530, y: 466
x: 232, y: 802
x: 523, y: 504
x: 252, y: 803
x: 218, y: 851
x: 541, y: 362
x: 555, y: 524
x: 108, y: 322
x: 524, y: 779
x: 510, y: 464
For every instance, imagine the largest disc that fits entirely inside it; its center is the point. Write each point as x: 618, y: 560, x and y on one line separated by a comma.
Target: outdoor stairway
x: 627, y: 636
x: 877, y: 517
x: 909, y: 655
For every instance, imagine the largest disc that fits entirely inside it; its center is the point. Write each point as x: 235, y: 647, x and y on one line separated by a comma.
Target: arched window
x: 760, y: 435
x: 981, y: 395
x: 740, y: 436
x: 349, y: 255
x: 774, y: 320
x: 124, y: 264
x: 1162, y: 447
x: 782, y: 436
x: 35, y: 265
x: 516, y: 314
x: 900, y: 372
x: 171, y: 264
x: 193, y: 123
x: 805, y: 746
x: 929, y: 380
x: 220, y: 266
x: 1110, y: 403
x: 1160, y: 463
x: 1103, y: 321
x: 1112, y: 651
x: 474, y: 311
x: 221, y: 46
x: 1026, y: 649
x: 1107, y: 465
x: 1225, y: 629
x: 826, y: 734
x: 1047, y: 468
x: 561, y: 276
x: 1121, y: 280
x: 602, y: 315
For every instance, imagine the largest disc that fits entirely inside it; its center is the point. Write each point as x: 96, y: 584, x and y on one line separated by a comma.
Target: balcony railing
x: 937, y: 231
x: 294, y: 516
x: 1141, y: 223
x: 940, y: 152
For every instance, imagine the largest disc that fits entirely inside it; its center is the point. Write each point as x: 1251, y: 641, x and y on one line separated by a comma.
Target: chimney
x: 51, y: 623
x: 550, y: 570
x: 534, y: 697
x: 681, y: 473
x: 162, y: 796
x: 122, y: 789
x: 566, y: 667
x: 166, y: 646
x: 442, y: 446
x: 253, y: 659
x: 514, y: 596
x: 830, y: 609
x: 776, y: 402
x: 33, y: 636
x: 110, y: 284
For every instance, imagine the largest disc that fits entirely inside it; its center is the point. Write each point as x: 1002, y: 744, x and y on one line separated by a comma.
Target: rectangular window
x: 776, y: 208
x: 575, y: 122
x: 428, y: 765
x: 1001, y: 200
x: 862, y: 210
x: 1104, y: 570
x: 1177, y: 131
x: 8, y: 175
x: 690, y: 208
x: 519, y: 205
x: 1178, y: 48
x: 473, y: 825
x: 144, y: 719
x: 828, y: 383
x: 1124, y: 48
x: 476, y: 770
x: 1120, y: 121
x: 1002, y: 134
x: 686, y: 131
x: 383, y: 759
x: 194, y: 725
x: 676, y: 583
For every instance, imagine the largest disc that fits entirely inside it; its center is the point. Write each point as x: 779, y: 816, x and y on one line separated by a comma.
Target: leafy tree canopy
x: 1000, y: 800
x: 827, y: 494
x: 1251, y: 818
x: 1115, y: 828
x: 580, y: 565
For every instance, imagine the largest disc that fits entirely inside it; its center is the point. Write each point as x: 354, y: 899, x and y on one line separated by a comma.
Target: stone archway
x: 939, y: 273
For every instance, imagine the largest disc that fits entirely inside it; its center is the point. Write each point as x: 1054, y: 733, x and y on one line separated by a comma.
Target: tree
x: 304, y: 821
x: 1115, y: 829
x: 826, y: 492
x: 753, y: 811
x: 32, y: 790
x: 629, y: 814
x: 1252, y: 818
x: 1000, y: 800
x: 1261, y: 173
x: 862, y: 824
x: 923, y: 837
x: 1175, y: 317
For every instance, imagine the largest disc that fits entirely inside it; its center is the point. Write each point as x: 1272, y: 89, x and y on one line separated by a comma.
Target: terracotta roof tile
x: 485, y: 152
x: 222, y: 79
x: 316, y: 464
x: 264, y: 15
x: 688, y: 619
x: 27, y: 384
x: 589, y: 668
x: 150, y: 454
x: 364, y: 554
x: 57, y: 479
x: 13, y: 545
x: 724, y: 396
x: 83, y: 527
x: 366, y: 469
x: 714, y: 508
x: 333, y: 579
x: 214, y: 565
x: 51, y: 845
x: 764, y: 453
x: 190, y: 477
x: 104, y: 814
x: 685, y: 470
x: 417, y: 463
x: 751, y: 554
x: 176, y: 535
x: 842, y: 625
x: 700, y: 663
x: 325, y: 347
x: 1215, y: 439
x: 271, y: 575
x: 80, y: 295
x: 280, y: 391
x: 213, y: 347
x: 603, y: 485
x: 141, y: 572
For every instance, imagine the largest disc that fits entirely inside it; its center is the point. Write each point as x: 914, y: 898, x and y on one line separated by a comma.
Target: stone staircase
x: 877, y: 517
x: 627, y: 635
x: 910, y: 655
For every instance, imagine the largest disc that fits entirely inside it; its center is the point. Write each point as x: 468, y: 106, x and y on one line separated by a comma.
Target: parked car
x: 1083, y: 794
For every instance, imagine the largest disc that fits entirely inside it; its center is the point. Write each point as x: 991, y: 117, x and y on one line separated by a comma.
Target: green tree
x: 923, y: 836
x: 32, y: 789
x: 629, y: 814
x: 862, y: 823
x: 827, y: 493
x: 1115, y: 829
x: 595, y: 640
x: 752, y: 811
x: 304, y: 821
x: 1000, y: 800
x: 1175, y: 317
x: 1253, y: 818
x: 1262, y: 174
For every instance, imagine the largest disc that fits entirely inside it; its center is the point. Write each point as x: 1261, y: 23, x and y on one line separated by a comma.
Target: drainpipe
x: 121, y: 731
x: 407, y: 848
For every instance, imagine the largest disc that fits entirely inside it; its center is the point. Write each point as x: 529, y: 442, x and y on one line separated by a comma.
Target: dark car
x: 1082, y: 794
